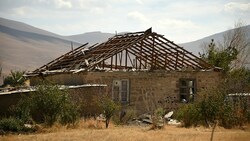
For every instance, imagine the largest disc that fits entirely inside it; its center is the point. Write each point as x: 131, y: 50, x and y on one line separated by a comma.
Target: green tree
x: 238, y: 80
x: 15, y: 78
x: 215, y: 105
x: 220, y: 57
x: 230, y: 53
x: 48, y: 104
x: 109, y: 107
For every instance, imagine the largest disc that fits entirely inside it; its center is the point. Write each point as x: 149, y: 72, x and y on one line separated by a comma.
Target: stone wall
x: 147, y: 89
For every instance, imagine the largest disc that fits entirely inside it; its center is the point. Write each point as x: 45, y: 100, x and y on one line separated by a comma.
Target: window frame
x: 121, y: 90
x: 187, y: 88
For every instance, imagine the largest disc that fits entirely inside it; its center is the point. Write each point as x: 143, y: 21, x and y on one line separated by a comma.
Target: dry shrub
x: 54, y: 128
x: 93, y: 124
x: 124, y: 116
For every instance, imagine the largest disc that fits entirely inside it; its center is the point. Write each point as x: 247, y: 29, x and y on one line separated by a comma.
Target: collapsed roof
x: 138, y: 50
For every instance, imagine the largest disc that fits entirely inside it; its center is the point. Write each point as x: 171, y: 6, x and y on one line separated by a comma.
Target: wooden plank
x: 141, y: 53
x: 120, y: 56
x: 131, y: 61
x: 111, y: 62
x: 126, y: 58
x: 116, y: 61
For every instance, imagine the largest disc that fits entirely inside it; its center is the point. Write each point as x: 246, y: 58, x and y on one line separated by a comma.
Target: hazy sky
x: 179, y: 20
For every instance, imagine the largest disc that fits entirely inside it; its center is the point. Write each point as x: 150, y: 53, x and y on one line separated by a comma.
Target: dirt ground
x: 132, y: 133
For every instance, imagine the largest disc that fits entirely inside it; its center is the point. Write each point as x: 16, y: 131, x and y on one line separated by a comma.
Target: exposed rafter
x: 139, y: 50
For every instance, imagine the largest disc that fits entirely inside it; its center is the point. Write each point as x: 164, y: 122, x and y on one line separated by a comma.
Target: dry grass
x: 91, y: 130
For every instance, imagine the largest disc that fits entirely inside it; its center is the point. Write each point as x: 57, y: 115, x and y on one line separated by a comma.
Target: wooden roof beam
x: 171, y: 55
x: 187, y: 60
x: 136, y: 50
x: 205, y: 64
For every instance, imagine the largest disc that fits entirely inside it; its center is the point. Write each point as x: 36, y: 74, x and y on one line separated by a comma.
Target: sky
x: 179, y: 20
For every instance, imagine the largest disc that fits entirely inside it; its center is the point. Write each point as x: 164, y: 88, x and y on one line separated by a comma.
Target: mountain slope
x: 91, y: 37
x: 196, y: 46
x: 27, y: 28
x: 24, y: 47
x: 26, y: 51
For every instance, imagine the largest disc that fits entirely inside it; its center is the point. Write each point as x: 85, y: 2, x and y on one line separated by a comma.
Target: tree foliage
x: 109, y: 107
x: 231, y: 53
x: 220, y: 57
x: 215, y: 105
x: 238, y: 80
x: 48, y: 104
x: 15, y: 78
x: 13, y: 125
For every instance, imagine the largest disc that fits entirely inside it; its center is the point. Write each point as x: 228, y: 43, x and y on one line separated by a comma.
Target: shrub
x: 117, y: 119
x: 70, y: 114
x: 229, y: 116
x: 15, y: 78
x: 48, y: 100
x: 160, y: 112
x: 189, y: 114
x: 158, y: 119
x: 124, y: 116
x: 235, y: 112
x: 22, y: 110
x: 47, y: 104
x: 109, y: 107
x: 129, y: 115
x: 211, y: 106
x: 214, y: 106
x: 11, y: 125
x: 14, y: 125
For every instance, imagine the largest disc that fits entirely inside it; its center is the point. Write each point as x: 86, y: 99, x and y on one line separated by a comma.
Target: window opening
x: 187, y: 90
x: 121, y: 90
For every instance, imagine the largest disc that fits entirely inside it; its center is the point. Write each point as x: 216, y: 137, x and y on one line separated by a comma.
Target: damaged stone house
x: 142, y: 70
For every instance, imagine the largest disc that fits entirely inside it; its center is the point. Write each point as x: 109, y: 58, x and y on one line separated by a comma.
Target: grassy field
x: 90, y: 132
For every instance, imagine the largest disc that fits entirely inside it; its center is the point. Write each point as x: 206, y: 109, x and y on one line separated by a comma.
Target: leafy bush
x: 212, y: 107
x: 22, y: 110
x: 14, y: 125
x: 116, y: 119
x: 70, y: 114
x: 15, y: 78
x: 11, y: 124
x: 130, y: 114
x: 48, y: 104
x: 109, y: 107
x: 189, y: 114
x: 160, y: 112
x: 235, y: 112
x: 49, y: 101
x: 124, y: 116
